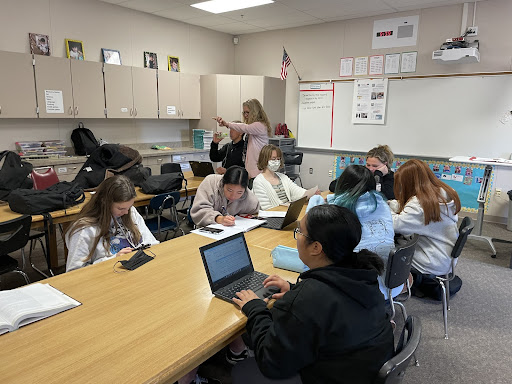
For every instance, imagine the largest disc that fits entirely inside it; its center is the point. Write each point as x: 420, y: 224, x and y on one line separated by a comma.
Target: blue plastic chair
x: 159, y: 223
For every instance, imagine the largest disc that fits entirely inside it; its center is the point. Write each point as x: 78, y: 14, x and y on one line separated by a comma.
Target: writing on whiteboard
x: 315, y: 100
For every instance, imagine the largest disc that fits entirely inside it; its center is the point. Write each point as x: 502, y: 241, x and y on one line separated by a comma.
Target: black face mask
x: 138, y: 259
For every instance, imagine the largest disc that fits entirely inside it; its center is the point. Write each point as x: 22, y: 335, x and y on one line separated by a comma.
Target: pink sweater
x: 258, y: 138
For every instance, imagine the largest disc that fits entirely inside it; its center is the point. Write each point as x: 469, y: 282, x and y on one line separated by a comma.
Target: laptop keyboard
x: 273, y: 222
x: 254, y: 281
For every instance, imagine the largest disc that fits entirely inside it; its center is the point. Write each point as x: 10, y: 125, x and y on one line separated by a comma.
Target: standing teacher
x: 257, y: 127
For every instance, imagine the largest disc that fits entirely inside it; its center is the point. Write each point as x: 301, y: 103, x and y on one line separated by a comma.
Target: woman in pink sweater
x: 257, y: 126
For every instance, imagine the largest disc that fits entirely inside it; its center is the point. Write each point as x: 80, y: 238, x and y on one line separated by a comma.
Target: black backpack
x: 83, y: 140
x: 55, y: 198
x: 13, y: 174
x: 167, y: 182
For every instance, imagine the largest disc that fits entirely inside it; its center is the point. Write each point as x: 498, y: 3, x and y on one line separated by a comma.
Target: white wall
x: 102, y: 25
x: 316, y: 51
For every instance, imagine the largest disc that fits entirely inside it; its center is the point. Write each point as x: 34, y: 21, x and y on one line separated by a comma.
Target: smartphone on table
x: 214, y: 231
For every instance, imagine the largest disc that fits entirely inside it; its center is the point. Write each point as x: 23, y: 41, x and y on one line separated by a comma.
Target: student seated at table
x: 355, y: 190
x: 221, y: 197
x: 232, y: 153
x: 329, y: 327
x: 379, y: 161
x: 426, y: 206
x: 108, y: 225
x: 271, y: 187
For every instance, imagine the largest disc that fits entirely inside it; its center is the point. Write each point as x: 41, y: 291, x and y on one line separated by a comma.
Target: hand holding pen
x: 226, y: 219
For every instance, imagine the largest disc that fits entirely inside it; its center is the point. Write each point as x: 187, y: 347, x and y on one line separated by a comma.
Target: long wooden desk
x: 150, y: 325
x: 69, y: 215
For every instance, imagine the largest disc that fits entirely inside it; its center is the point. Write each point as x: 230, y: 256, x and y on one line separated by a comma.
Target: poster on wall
x: 346, y: 64
x: 376, y: 65
x: 409, y: 62
x: 361, y: 66
x: 369, y: 102
x: 392, y: 64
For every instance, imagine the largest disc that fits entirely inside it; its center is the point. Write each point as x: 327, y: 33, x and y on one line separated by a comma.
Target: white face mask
x: 274, y: 165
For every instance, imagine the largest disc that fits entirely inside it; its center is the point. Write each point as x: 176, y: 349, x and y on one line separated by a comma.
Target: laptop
x: 291, y: 215
x: 201, y: 168
x: 229, y: 269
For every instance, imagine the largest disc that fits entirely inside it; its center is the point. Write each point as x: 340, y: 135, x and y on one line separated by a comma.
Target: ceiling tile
x: 237, y: 28
x: 259, y: 12
x: 209, y: 21
x: 150, y: 6
x: 182, y: 12
x: 293, y: 25
x: 291, y: 18
x: 354, y: 8
x: 113, y: 1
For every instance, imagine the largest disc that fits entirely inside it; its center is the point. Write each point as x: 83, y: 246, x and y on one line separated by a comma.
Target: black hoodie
x: 331, y: 327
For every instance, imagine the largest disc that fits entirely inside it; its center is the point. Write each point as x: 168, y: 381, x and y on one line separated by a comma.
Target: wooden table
x: 69, y: 215
x: 150, y: 325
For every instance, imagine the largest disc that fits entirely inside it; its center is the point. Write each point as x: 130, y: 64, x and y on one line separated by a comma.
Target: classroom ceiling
x: 281, y: 14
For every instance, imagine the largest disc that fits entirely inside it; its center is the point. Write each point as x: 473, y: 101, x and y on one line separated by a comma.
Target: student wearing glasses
x: 271, y: 187
x: 232, y: 153
x: 108, y: 225
x: 257, y: 127
x: 221, y: 197
x: 329, y: 327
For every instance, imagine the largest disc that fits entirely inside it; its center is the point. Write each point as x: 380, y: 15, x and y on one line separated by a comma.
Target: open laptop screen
x: 226, y: 260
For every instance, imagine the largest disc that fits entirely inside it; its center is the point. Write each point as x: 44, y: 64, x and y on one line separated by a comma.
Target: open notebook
x: 241, y: 225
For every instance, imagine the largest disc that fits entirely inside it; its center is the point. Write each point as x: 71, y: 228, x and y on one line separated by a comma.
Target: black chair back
x: 399, y: 263
x: 164, y: 201
x: 14, y: 234
x: 170, y: 168
x: 465, y: 229
x: 293, y: 158
x: 393, y: 370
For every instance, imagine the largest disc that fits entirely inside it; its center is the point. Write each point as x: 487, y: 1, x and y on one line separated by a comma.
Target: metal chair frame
x: 168, y: 201
x: 14, y: 235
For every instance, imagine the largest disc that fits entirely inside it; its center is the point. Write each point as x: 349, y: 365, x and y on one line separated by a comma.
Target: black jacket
x: 331, y: 327
x: 230, y: 154
x: 387, y: 183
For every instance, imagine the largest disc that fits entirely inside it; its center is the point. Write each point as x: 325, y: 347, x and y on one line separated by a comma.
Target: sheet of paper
x: 311, y: 191
x: 376, y: 64
x: 346, y: 64
x: 271, y: 214
x: 409, y: 62
x: 54, y: 101
x: 361, y: 66
x: 392, y: 64
x: 241, y: 225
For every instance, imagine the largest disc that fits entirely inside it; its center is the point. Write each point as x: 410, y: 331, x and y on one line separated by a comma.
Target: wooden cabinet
x: 130, y: 92
x: 155, y: 162
x: 223, y: 95
x: 17, y: 89
x: 179, y: 95
x: 53, y: 85
x: 88, y: 90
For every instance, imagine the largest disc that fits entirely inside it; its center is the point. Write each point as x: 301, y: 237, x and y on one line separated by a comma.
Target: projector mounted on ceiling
x: 457, y: 55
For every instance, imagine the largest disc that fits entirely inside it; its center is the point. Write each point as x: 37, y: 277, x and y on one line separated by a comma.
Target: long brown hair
x: 383, y: 153
x: 266, y: 154
x: 256, y: 113
x: 97, y: 212
x: 415, y: 178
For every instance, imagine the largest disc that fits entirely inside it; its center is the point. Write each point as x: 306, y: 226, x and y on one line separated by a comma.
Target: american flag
x: 286, y: 62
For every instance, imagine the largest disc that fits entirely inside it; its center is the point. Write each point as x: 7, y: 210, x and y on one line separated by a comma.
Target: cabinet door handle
x: 70, y: 110
x: 76, y: 111
x: 135, y: 112
x: 131, y: 111
x: 0, y: 109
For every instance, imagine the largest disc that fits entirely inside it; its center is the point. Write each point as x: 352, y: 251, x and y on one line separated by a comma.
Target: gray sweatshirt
x: 210, y: 199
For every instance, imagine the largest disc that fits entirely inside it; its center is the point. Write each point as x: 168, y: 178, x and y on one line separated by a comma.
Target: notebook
x: 229, y: 269
x: 201, y: 168
x: 291, y: 215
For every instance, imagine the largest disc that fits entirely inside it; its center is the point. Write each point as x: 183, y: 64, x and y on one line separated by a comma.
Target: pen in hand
x: 227, y: 219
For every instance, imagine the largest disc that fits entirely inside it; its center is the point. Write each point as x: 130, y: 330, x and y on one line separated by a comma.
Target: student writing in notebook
x: 221, y: 197
x: 232, y: 153
x: 329, y: 327
x: 271, y: 187
x: 258, y: 129
x: 108, y: 225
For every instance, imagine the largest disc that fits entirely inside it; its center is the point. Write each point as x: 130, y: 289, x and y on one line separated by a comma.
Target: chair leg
x: 402, y: 307
x: 45, y: 257
x: 19, y: 271
x: 445, y: 310
x: 392, y: 305
x: 447, y: 283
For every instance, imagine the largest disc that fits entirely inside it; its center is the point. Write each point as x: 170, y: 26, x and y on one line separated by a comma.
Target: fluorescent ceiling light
x: 221, y: 6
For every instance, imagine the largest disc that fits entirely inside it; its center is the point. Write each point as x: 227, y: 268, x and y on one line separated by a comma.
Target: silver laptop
x: 229, y: 269
x: 201, y: 168
x: 291, y: 215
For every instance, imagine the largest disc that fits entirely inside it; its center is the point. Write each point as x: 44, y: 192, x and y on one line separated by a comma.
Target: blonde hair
x: 97, y: 212
x: 383, y: 153
x: 256, y: 113
x: 266, y: 154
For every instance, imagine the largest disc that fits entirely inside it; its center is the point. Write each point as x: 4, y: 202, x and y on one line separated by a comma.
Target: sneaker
x: 205, y: 380
x: 233, y: 358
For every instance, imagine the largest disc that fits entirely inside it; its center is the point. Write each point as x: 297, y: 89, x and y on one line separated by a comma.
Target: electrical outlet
x: 472, y: 31
x: 498, y: 192
x: 330, y: 173
x: 310, y: 171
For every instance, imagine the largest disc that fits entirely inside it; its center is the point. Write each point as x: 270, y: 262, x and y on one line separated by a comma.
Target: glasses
x: 297, y: 230
x: 245, y: 112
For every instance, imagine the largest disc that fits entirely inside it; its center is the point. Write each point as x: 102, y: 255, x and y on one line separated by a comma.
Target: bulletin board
x: 463, y: 177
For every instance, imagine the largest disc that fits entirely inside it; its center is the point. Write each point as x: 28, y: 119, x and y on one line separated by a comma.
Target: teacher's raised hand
x: 220, y: 121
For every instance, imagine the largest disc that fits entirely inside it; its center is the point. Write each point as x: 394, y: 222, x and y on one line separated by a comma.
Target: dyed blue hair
x: 354, y: 182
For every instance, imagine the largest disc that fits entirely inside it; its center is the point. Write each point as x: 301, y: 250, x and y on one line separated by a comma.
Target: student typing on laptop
x: 330, y: 327
x: 232, y: 153
x: 221, y: 197
x: 271, y: 187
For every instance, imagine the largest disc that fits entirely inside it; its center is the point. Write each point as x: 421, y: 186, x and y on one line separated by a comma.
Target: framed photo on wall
x: 39, y: 44
x: 111, y: 56
x: 150, y: 60
x: 75, y: 49
x: 173, y: 63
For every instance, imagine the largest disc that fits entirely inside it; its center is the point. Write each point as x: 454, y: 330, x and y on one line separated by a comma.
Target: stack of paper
x: 198, y: 138
x: 241, y: 225
x: 207, y: 139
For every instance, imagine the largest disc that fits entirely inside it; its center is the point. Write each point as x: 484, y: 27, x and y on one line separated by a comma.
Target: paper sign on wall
x: 361, y: 66
x: 376, y: 64
x: 54, y: 101
x: 346, y: 64
x: 409, y: 62
x: 171, y: 109
x: 369, y: 103
x: 392, y: 64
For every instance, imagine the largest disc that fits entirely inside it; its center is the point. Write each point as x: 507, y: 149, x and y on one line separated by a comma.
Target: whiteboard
x: 438, y: 117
